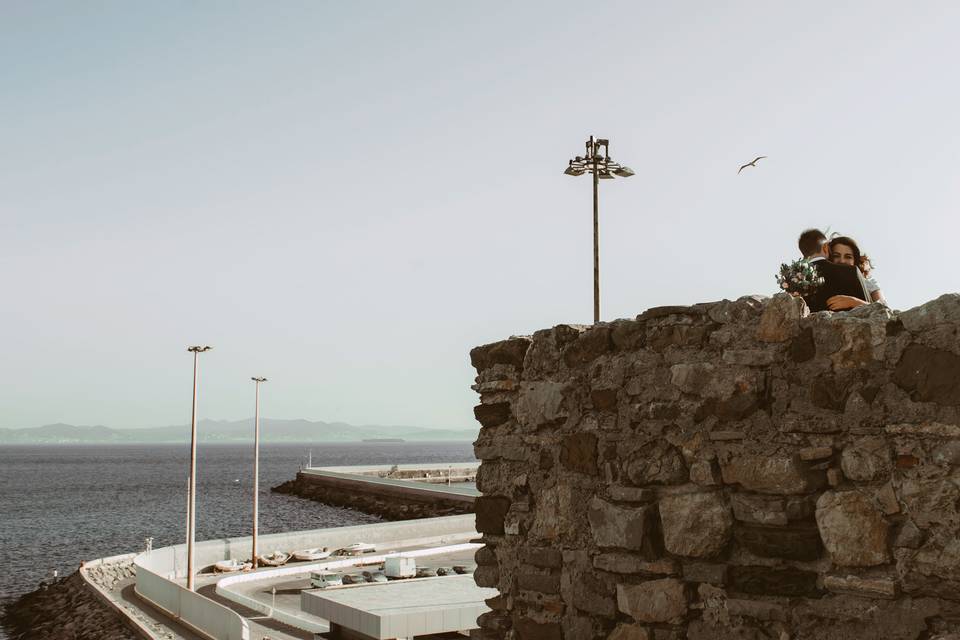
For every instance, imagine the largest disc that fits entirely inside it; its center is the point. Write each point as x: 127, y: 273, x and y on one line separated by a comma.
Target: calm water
x: 63, y: 504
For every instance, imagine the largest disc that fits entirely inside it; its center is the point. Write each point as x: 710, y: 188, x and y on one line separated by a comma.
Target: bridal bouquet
x: 799, y: 277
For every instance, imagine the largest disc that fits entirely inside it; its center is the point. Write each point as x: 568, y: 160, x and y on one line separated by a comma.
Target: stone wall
x: 740, y: 469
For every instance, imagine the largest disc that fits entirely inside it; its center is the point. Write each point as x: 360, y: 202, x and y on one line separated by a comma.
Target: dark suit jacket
x: 839, y: 279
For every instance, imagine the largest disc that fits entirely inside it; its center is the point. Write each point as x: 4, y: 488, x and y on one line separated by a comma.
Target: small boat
x: 275, y: 559
x: 315, y: 553
x: 226, y: 566
x: 356, y: 549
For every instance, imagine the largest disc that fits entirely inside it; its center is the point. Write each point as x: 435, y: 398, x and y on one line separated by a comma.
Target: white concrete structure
x: 402, y: 609
x: 160, y: 578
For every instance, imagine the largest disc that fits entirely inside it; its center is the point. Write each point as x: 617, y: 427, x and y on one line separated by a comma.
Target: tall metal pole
x: 596, y: 239
x: 192, y: 501
x: 256, y: 465
x: 600, y: 167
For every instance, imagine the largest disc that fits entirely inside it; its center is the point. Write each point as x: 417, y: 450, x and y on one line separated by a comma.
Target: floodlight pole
x: 600, y: 166
x: 596, y: 241
x: 256, y: 465
x: 192, y: 496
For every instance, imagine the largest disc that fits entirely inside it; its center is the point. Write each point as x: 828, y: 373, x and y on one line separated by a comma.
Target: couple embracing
x: 843, y: 270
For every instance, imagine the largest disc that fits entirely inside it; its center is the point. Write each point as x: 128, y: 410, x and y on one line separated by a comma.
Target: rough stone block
x: 858, y: 586
x: 931, y: 375
x: 696, y: 525
x: 589, y: 345
x: 715, y: 574
x: 705, y: 473
x: 780, y: 320
x: 943, y: 310
x: 539, y: 404
x: 625, y: 631
x: 620, y: 493
x: 657, y: 464
x: 539, y: 582
x: 810, y: 454
x: 544, y: 557
x: 867, y: 459
x: 908, y: 536
x: 886, y: 498
x: 626, y: 563
x: 488, y: 576
x: 775, y: 474
x: 711, y: 381
x: 620, y: 527
x: 509, y: 352
x: 655, y: 601
x: 759, y: 509
x: 491, y: 415
x: 853, y: 530
x: 578, y: 453
x: 528, y: 629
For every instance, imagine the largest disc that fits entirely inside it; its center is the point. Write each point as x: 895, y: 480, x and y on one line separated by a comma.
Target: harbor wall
x: 740, y: 469
x: 391, y: 499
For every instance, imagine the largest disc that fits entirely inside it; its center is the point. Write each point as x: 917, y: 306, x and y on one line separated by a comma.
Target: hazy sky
x: 347, y: 197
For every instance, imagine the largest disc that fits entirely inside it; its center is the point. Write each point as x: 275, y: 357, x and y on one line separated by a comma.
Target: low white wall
x: 158, y: 569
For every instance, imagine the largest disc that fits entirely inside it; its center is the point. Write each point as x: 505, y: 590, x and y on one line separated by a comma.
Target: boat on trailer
x: 357, y: 549
x: 226, y: 566
x: 275, y: 559
x: 316, y: 553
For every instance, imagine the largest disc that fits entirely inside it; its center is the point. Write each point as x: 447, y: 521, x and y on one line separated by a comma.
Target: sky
x: 347, y: 197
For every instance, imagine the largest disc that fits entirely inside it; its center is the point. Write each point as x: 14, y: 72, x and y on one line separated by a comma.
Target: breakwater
x: 69, y: 609
x: 383, y: 496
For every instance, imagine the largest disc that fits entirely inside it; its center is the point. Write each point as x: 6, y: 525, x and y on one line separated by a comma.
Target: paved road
x: 158, y: 623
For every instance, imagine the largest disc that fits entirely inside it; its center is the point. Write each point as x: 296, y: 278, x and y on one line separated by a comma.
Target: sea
x: 60, y: 504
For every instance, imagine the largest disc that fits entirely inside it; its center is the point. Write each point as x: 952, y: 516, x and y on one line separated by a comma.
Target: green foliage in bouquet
x: 799, y: 277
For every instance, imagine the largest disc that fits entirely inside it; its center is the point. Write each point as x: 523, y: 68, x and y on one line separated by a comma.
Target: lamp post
x: 192, y: 498
x: 256, y: 464
x: 602, y: 167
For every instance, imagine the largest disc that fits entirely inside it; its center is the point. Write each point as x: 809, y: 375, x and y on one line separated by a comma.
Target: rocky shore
x: 68, y: 609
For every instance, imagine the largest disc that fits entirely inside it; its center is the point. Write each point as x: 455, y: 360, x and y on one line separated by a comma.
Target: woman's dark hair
x: 850, y: 242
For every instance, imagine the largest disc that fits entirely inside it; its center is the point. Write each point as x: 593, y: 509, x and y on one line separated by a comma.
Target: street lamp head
x: 605, y: 175
x: 198, y: 349
x: 259, y: 379
x: 624, y: 172
x: 573, y: 171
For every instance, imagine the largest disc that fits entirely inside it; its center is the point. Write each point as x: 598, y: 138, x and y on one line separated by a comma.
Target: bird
x: 751, y: 164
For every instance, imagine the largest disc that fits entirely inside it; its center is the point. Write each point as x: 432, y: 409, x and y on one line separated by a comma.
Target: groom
x: 842, y: 288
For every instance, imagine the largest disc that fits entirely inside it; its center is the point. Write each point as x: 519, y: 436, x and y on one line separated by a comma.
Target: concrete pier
x: 393, y: 492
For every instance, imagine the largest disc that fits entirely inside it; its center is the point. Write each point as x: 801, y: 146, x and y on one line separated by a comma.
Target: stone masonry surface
x: 732, y: 470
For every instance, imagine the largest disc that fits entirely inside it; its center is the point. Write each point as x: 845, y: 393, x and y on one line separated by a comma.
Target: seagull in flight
x: 751, y: 164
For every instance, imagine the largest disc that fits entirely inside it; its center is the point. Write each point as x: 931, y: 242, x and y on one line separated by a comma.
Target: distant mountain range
x: 226, y: 431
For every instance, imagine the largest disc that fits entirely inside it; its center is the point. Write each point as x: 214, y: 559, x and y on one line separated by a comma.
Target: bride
x: 844, y: 250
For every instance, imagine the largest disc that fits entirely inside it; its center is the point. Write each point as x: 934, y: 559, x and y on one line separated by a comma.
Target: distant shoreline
x: 231, y: 442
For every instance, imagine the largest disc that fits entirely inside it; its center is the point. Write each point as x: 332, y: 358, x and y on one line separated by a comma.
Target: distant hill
x: 226, y: 431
